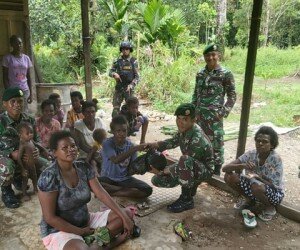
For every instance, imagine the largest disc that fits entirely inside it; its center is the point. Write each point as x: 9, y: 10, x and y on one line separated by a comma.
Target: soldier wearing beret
x: 125, y: 72
x: 213, y: 83
x: 194, y: 166
x: 13, y: 100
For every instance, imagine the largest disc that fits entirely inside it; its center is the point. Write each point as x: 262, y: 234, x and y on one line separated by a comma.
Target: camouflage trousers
x: 213, y: 128
x: 119, y: 96
x: 187, y: 173
x: 9, y: 169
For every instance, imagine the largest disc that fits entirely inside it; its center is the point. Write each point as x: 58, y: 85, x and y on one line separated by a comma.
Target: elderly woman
x: 262, y: 180
x: 64, y: 191
x: 16, y: 70
x: 84, y: 129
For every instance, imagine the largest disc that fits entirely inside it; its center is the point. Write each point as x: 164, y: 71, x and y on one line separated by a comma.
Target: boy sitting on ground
x: 118, y: 153
x: 99, y: 135
x: 135, y: 118
x: 262, y: 180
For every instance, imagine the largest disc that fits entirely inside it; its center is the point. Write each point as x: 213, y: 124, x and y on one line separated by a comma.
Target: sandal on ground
x: 267, y: 215
x: 249, y: 218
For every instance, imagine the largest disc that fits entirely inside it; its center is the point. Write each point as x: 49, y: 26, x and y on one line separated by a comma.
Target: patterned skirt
x: 274, y: 195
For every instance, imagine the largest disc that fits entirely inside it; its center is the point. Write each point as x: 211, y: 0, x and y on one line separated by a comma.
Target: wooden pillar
x: 29, y: 51
x: 249, y: 75
x: 86, y: 39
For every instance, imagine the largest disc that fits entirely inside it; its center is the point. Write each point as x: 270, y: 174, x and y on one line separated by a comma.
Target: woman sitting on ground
x: 84, y: 130
x: 64, y: 191
x: 46, y: 124
x: 262, y: 180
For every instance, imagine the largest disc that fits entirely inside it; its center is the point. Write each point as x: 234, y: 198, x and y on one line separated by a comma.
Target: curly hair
x: 266, y: 130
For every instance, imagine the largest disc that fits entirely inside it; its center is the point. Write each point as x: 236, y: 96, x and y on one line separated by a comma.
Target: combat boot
x: 184, y: 202
x: 8, y: 197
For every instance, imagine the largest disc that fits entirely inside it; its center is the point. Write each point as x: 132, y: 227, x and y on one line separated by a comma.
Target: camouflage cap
x: 185, y: 109
x: 11, y: 93
x: 210, y: 48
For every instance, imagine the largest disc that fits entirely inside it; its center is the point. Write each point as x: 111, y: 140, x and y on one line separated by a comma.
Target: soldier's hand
x: 117, y: 77
x: 153, y: 145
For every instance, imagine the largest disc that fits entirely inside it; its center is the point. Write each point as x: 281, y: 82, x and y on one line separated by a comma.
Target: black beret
x: 210, y: 48
x: 11, y: 93
x: 185, y: 109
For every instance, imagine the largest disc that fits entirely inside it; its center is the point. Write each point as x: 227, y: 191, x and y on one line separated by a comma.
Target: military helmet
x: 126, y: 44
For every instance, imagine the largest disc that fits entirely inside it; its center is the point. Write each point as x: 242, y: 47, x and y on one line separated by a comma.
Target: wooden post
x: 86, y: 39
x: 249, y: 75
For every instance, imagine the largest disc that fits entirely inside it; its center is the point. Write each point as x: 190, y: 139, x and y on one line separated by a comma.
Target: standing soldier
x: 194, y: 166
x: 125, y: 72
x: 212, y: 84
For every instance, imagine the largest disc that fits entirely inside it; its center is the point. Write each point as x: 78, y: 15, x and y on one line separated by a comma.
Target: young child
x: 135, y: 118
x: 262, y: 180
x: 29, y: 167
x: 99, y: 135
x: 59, y: 113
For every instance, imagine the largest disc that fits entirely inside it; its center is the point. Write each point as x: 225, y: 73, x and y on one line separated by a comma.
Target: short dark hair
x: 99, y: 133
x: 88, y: 104
x: 54, y: 96
x: 56, y: 137
x: 24, y: 125
x: 14, y: 38
x: 46, y: 103
x: 76, y: 94
x: 266, y: 130
x: 118, y: 120
x: 132, y: 100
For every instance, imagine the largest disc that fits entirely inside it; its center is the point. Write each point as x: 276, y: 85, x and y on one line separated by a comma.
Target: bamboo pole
x: 249, y: 75
x: 86, y: 39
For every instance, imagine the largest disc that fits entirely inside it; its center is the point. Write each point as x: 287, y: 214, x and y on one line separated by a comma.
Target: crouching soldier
x: 125, y: 72
x: 194, y: 166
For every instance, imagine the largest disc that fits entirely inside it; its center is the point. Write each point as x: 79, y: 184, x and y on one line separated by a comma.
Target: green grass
x: 282, y: 101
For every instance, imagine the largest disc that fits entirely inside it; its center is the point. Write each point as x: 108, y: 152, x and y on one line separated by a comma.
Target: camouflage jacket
x: 9, y: 137
x: 211, y: 88
x: 127, y: 68
x: 193, y: 143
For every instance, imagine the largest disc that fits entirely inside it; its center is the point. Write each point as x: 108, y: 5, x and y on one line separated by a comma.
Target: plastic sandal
x: 249, y: 218
x: 267, y: 215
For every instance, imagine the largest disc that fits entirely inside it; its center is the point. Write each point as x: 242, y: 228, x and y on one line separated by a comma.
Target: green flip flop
x: 249, y: 218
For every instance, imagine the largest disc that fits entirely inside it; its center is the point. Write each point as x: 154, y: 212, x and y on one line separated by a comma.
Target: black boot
x: 184, y: 202
x: 194, y: 190
x: 8, y: 197
x: 217, y: 170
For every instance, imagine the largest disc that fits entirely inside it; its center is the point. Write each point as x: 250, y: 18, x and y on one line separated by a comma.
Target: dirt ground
x: 214, y: 223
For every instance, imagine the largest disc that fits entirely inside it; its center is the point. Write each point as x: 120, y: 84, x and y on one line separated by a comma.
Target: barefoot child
x: 99, y: 135
x: 29, y: 166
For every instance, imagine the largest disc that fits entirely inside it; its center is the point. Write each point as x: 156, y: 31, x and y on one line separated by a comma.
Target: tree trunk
x: 267, y: 22
x: 221, y: 6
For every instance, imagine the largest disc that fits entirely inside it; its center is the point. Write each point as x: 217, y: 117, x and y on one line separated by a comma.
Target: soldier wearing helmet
x: 125, y: 71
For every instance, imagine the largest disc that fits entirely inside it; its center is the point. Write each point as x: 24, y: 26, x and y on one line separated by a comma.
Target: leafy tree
x: 207, y: 15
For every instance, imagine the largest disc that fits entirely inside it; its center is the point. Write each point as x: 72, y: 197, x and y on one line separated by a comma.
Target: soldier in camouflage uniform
x: 212, y: 84
x: 125, y: 72
x: 10, y: 172
x: 194, y: 166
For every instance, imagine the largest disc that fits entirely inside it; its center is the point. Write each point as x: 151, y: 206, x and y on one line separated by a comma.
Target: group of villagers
x: 68, y: 158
